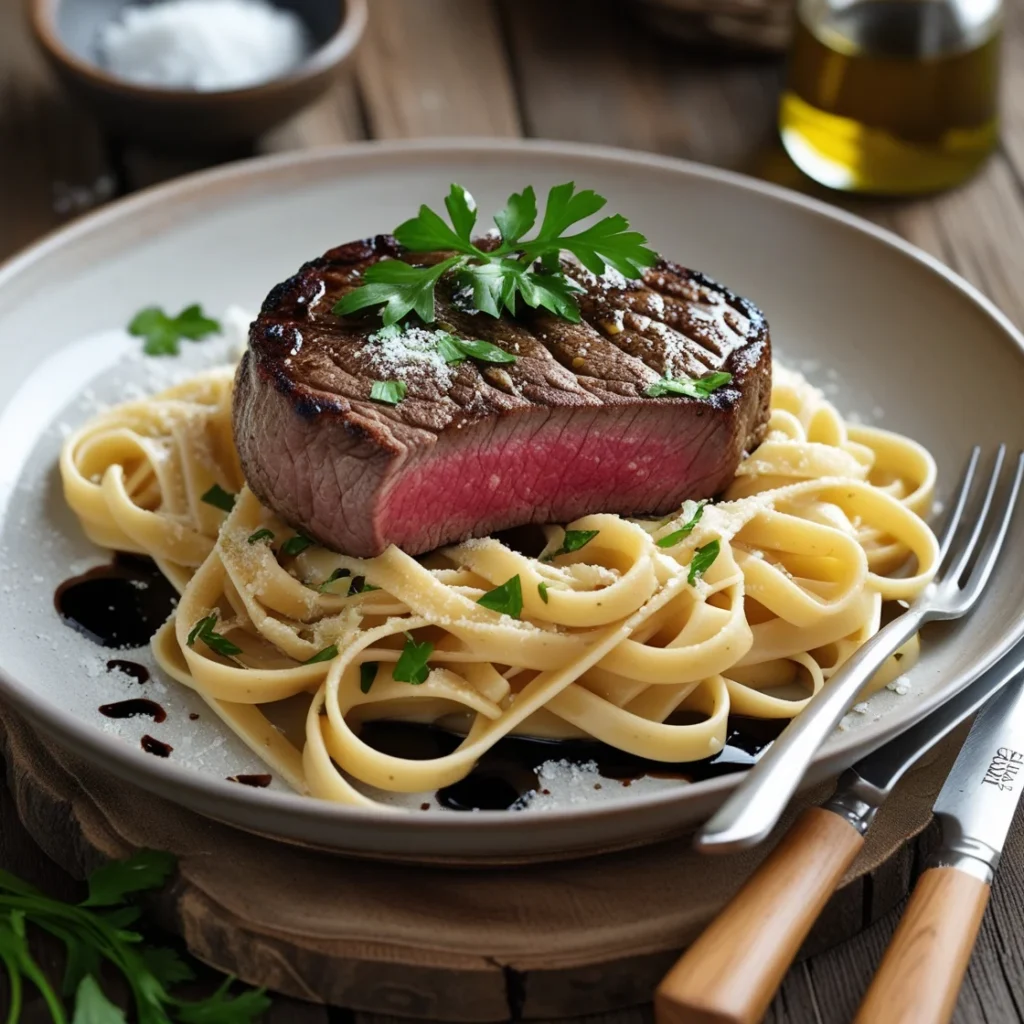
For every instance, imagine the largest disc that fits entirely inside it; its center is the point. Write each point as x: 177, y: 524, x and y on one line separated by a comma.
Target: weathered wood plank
x: 586, y: 71
x: 337, y: 117
x: 52, y: 164
x: 436, y: 67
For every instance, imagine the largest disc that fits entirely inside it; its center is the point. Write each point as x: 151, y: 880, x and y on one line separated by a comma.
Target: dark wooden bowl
x: 176, y: 119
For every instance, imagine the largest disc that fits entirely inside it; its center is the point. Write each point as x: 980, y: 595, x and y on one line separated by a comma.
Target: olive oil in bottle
x: 892, y: 96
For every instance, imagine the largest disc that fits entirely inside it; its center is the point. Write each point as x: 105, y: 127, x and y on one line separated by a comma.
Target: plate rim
x: 121, y: 759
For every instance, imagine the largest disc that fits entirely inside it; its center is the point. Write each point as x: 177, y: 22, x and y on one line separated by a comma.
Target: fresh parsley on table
x: 100, y: 930
x: 163, y: 332
x: 517, y: 269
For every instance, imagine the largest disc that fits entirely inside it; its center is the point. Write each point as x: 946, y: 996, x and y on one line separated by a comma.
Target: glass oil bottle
x: 892, y: 97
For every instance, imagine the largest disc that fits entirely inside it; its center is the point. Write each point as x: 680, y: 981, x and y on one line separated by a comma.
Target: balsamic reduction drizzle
x: 507, y: 773
x: 157, y: 747
x: 259, y: 781
x: 130, y: 668
x: 133, y: 708
x: 117, y: 605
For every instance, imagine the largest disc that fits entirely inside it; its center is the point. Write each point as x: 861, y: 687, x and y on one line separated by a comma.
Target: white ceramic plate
x: 889, y: 332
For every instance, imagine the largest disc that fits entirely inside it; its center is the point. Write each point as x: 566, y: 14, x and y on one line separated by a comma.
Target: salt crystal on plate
x: 206, y: 45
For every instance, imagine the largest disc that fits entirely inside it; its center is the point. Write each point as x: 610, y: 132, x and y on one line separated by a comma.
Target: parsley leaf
x: 109, y: 884
x: 529, y: 269
x: 367, y: 674
x: 457, y: 350
x: 296, y: 545
x: 506, y: 599
x: 263, y: 534
x: 399, y: 287
x: 203, y: 630
x: 542, y: 589
x: 94, y: 931
x: 391, y: 392
x: 573, y: 541
x: 338, y: 574
x: 411, y: 666
x: 360, y: 586
x: 327, y: 654
x: 219, y: 498
x: 670, y: 540
x: 163, y: 332
x: 93, y: 1007
x: 701, y: 387
x: 703, y: 558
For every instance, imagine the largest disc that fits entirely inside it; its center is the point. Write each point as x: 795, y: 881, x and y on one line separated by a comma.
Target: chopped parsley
x: 203, y: 630
x: 296, y: 545
x: 163, y: 332
x: 517, y: 269
x: 506, y: 599
x: 573, y: 541
x: 390, y: 392
x: 338, y: 574
x: 542, y: 589
x: 367, y: 674
x: 264, y: 534
x: 458, y: 350
x: 699, y: 387
x: 703, y: 558
x: 360, y: 586
x: 670, y: 540
x: 219, y: 498
x: 411, y: 666
x: 329, y: 653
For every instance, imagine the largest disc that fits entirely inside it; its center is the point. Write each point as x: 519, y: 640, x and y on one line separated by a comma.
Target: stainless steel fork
x: 756, y: 804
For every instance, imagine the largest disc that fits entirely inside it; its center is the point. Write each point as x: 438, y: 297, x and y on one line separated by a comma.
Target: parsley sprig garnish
x: 516, y: 269
x: 99, y: 929
x: 163, y: 332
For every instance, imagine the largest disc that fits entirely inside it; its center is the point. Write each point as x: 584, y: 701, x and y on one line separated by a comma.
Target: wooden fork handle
x: 924, y: 965
x: 730, y: 974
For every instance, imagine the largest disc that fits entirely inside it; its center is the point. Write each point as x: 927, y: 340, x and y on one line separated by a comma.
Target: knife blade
x: 977, y: 804
x: 863, y: 788
x: 732, y: 971
x: 923, y: 968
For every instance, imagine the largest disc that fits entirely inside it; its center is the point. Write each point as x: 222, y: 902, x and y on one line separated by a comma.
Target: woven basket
x: 741, y: 24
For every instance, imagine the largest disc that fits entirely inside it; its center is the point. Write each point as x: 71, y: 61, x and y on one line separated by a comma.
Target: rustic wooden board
x: 543, y: 941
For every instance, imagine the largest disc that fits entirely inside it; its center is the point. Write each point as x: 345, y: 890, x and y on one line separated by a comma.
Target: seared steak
x: 473, y: 448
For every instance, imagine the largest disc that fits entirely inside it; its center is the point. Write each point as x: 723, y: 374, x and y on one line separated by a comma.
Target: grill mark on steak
x: 563, y: 431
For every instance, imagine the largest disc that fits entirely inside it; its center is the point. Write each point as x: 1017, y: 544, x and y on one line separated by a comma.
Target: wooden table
x: 570, y: 69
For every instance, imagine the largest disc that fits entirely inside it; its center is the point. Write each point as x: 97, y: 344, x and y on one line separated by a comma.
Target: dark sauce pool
x: 124, y: 603
x: 117, y: 605
x: 133, y: 709
x: 507, y: 774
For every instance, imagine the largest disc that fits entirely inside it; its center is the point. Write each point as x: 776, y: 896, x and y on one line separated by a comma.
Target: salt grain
x: 204, y: 45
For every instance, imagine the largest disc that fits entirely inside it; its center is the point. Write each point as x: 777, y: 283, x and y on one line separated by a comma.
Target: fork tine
x: 961, y: 501
x: 990, y: 552
x: 962, y: 556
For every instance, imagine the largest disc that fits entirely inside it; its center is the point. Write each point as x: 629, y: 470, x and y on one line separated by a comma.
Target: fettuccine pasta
x: 746, y: 606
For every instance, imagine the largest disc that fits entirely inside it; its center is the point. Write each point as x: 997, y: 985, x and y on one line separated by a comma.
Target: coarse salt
x: 205, y: 45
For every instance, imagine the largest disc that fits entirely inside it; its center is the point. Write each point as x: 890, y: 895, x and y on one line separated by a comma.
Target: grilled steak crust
x: 473, y: 448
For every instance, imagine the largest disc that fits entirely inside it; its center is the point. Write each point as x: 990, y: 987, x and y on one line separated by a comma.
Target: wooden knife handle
x: 924, y: 966
x: 730, y: 974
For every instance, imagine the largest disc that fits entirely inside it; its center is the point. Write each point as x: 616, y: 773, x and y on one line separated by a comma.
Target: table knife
x: 924, y: 965
x: 730, y: 974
